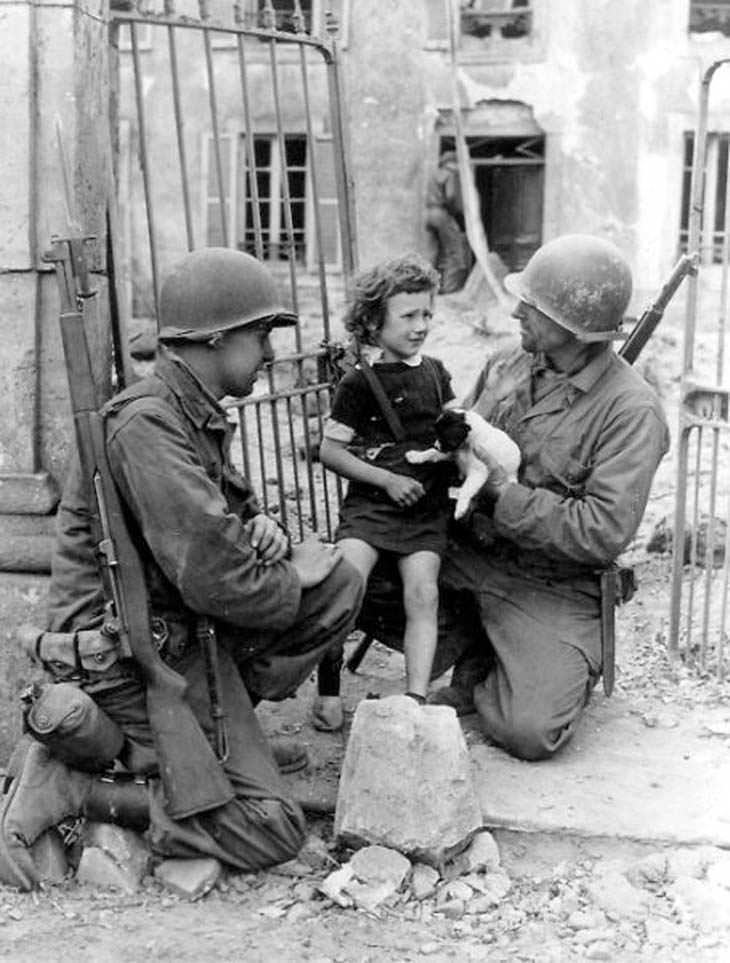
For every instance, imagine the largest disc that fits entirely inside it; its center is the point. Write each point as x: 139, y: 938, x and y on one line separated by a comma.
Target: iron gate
x: 701, y: 543
x: 231, y: 133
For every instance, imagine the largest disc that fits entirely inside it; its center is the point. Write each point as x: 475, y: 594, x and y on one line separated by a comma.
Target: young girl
x: 392, y: 506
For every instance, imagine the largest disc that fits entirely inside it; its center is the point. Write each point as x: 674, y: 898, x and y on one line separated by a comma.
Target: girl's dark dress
x: 417, y: 395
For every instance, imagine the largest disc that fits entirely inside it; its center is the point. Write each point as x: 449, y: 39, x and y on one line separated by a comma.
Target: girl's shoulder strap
x: 391, y: 418
x: 435, y: 368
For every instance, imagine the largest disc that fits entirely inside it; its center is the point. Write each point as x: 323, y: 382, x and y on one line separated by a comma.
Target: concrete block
x: 405, y: 781
x: 27, y: 494
x: 190, y: 878
x: 26, y: 542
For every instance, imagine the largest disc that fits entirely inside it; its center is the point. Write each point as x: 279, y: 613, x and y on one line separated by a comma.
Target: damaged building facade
x: 578, y: 117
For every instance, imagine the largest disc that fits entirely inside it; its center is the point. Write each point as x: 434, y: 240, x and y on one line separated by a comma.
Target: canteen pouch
x: 73, y: 727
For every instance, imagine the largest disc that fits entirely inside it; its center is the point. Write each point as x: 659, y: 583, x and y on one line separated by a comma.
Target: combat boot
x: 44, y: 793
x: 471, y: 668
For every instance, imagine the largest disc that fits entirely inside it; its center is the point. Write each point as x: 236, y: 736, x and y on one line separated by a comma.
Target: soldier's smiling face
x: 539, y: 332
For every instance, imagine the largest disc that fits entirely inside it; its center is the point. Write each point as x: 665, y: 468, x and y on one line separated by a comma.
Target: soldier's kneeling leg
x: 44, y: 790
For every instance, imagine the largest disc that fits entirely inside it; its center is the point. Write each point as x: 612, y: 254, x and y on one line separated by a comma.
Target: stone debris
x: 719, y: 873
x: 368, y: 896
x: 481, y: 854
x: 405, y: 781
x: 315, y: 854
x: 707, y: 904
x: 424, y: 879
x: 334, y: 885
x: 49, y: 855
x: 189, y: 878
x: 378, y: 864
x: 613, y: 893
x: 455, y: 889
x: 376, y: 876
x: 98, y: 868
x: 113, y: 857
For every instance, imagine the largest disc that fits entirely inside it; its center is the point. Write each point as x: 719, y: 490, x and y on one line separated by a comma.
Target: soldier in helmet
x: 520, y: 583
x: 207, y: 548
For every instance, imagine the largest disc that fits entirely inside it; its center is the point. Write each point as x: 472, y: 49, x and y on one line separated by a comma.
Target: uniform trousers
x: 531, y: 644
x: 261, y: 825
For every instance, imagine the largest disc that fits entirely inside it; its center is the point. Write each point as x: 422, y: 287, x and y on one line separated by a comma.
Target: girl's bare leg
x: 328, y: 713
x: 419, y: 573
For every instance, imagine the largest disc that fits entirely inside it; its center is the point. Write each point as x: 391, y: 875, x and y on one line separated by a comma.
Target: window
x: 709, y: 17
x: 285, y: 13
x: 271, y: 198
x: 480, y: 22
x: 486, y: 18
x: 715, y: 190
x: 280, y: 240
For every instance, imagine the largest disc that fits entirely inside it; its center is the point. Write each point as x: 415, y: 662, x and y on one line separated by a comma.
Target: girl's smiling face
x: 407, y: 322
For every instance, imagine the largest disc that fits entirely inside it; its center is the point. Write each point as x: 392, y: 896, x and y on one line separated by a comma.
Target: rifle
x: 192, y: 777
x: 645, y: 326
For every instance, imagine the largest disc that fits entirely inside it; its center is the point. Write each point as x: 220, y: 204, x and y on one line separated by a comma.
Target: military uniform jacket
x: 168, y: 444
x: 590, y: 449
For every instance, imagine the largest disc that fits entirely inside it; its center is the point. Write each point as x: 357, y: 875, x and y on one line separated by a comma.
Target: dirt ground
x: 564, y: 901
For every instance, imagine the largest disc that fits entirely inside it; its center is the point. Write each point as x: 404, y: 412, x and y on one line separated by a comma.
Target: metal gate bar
x: 701, y: 556
x: 279, y: 429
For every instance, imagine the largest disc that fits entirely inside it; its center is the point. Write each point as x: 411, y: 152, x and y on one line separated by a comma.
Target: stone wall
x: 55, y: 75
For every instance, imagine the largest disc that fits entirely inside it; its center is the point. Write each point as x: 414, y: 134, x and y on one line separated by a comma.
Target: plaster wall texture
x: 613, y: 86
x: 54, y: 66
x: 388, y: 126
x: 162, y: 151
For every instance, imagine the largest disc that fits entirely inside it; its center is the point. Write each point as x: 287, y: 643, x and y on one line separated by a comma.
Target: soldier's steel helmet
x: 217, y: 289
x: 580, y: 281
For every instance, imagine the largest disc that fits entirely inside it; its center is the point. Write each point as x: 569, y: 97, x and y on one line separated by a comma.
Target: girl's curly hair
x: 370, y: 290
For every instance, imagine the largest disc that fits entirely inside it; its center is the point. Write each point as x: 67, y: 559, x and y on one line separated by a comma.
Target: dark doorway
x: 509, y: 175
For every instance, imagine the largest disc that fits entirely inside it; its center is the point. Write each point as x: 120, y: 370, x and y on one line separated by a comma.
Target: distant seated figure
x: 445, y: 224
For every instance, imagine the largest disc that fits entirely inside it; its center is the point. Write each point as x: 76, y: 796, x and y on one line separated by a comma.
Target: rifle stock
x: 647, y: 323
x: 192, y: 777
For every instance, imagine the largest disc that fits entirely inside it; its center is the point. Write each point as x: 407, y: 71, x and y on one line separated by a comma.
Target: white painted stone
x: 190, y: 878
x: 405, y: 780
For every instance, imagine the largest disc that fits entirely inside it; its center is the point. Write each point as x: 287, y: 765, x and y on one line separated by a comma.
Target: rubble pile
x: 666, y: 905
